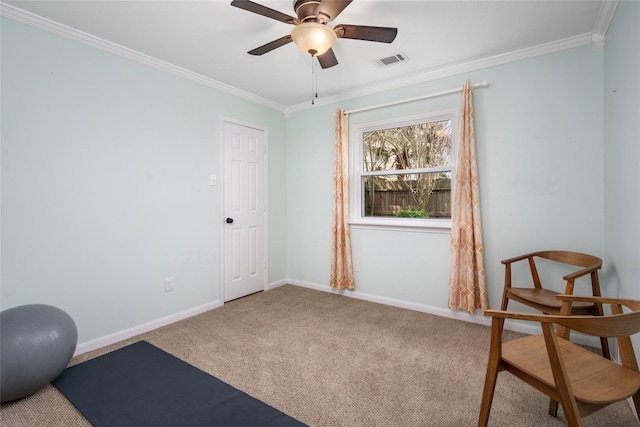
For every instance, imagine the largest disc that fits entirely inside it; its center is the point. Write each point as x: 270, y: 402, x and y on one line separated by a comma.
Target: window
x: 402, y: 171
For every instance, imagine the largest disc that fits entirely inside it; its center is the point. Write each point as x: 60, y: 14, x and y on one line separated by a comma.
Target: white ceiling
x: 208, y: 40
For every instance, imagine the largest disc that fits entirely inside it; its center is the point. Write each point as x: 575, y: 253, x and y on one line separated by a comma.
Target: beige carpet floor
x: 330, y: 360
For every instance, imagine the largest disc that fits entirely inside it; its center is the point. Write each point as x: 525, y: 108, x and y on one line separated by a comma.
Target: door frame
x: 221, y: 184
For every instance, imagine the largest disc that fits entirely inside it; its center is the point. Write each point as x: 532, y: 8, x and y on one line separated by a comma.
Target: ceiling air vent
x: 394, y: 59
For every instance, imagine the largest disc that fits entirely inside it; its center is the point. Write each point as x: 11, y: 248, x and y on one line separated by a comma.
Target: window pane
x: 424, y: 145
x: 423, y: 195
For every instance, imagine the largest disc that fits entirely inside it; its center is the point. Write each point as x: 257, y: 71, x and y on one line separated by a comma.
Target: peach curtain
x: 467, y: 286
x: 341, y: 266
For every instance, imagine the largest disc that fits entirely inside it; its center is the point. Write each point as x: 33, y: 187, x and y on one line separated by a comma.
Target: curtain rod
x: 483, y: 83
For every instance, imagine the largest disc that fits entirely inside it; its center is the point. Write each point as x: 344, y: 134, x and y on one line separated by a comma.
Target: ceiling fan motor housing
x: 311, y: 32
x: 306, y: 10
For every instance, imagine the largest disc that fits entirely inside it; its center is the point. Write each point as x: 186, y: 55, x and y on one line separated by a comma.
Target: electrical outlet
x: 168, y: 284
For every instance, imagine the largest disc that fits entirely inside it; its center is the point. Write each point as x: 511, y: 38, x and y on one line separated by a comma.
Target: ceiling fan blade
x: 271, y: 46
x: 327, y: 59
x: 327, y: 10
x: 363, y: 32
x: 263, y: 10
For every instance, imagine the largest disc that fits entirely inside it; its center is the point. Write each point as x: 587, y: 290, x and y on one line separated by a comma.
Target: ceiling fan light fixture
x: 313, y: 38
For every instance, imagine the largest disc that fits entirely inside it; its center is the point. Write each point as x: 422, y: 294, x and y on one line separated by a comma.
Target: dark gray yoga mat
x: 141, y: 385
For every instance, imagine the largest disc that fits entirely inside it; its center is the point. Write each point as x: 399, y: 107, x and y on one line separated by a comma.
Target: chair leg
x: 553, y: 408
x: 487, y: 394
x: 493, y: 367
x: 605, y: 347
x: 505, y: 301
x: 507, y: 285
x: 599, y: 311
x: 636, y: 402
x: 569, y: 405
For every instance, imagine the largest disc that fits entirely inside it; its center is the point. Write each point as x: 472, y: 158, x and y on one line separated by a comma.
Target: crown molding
x: 37, y: 21
x: 603, y: 20
x: 447, y: 71
x: 595, y: 38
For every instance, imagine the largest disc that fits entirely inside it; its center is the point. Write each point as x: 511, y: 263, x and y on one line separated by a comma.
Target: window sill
x: 420, y: 226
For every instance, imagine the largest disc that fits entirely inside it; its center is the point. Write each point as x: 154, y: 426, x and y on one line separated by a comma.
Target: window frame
x: 357, y: 220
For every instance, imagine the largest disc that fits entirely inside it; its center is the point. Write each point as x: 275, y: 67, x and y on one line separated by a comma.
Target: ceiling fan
x: 311, y: 32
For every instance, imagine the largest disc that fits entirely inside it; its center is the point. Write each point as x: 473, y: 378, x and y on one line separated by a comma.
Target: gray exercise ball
x: 36, y: 343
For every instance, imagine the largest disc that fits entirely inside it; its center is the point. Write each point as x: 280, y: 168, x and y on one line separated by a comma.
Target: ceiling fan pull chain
x: 313, y: 81
x: 315, y: 77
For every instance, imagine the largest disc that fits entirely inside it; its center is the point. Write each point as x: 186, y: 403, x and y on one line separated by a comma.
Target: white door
x: 244, y: 188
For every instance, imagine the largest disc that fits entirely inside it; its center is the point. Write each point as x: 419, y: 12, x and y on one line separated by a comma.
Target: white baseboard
x: 97, y: 343
x: 278, y: 283
x: 438, y: 311
x: 465, y: 316
x: 145, y: 327
x: 443, y: 312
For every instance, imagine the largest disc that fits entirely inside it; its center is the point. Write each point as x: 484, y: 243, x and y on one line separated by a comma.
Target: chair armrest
x: 582, y: 272
x: 520, y: 316
x: 518, y: 258
x: 618, y: 324
x: 631, y: 304
x: 578, y: 323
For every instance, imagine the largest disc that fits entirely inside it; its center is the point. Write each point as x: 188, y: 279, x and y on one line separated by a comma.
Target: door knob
x: 229, y: 220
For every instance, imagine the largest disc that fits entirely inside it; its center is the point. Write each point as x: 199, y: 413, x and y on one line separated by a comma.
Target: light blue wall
x: 622, y: 150
x: 105, y: 166
x: 105, y: 169
x: 539, y: 146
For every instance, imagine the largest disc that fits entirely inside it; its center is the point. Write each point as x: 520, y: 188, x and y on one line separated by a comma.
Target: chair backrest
x: 618, y: 324
x: 590, y: 265
x: 573, y: 258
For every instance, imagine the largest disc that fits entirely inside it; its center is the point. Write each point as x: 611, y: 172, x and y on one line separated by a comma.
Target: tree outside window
x: 407, y: 170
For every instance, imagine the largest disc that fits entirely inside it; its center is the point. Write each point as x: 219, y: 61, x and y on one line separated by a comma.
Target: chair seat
x: 593, y: 378
x: 545, y: 297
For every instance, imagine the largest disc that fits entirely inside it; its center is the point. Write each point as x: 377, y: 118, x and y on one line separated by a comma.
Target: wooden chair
x: 581, y: 380
x: 544, y: 299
